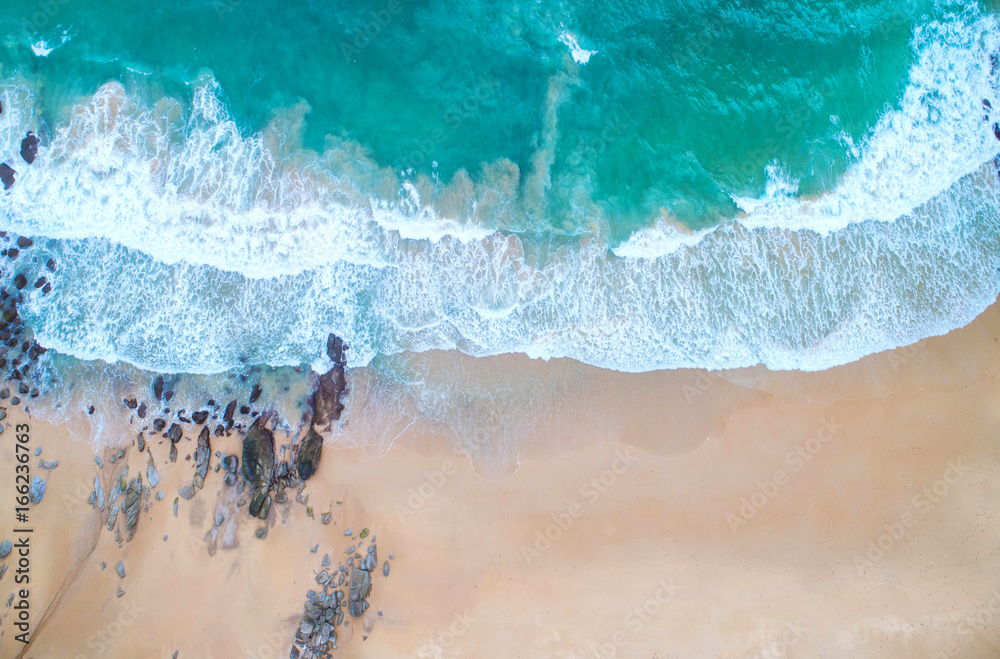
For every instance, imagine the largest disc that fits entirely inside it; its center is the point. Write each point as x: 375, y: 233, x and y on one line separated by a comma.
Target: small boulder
x: 29, y: 147
x: 7, y: 175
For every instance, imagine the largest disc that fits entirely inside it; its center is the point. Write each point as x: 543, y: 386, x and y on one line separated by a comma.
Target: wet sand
x: 848, y: 513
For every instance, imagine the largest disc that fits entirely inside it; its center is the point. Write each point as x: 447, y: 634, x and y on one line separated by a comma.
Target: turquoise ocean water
x: 635, y: 185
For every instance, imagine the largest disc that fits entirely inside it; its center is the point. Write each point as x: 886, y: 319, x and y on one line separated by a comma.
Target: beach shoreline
x: 847, y: 512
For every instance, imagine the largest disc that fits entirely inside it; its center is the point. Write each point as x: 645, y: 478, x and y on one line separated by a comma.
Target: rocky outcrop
x: 202, y: 457
x: 309, y: 454
x: 258, y: 466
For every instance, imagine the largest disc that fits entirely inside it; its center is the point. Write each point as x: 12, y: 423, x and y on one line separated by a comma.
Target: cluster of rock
x: 29, y: 150
x: 345, y: 588
x: 127, y: 499
x: 19, y: 352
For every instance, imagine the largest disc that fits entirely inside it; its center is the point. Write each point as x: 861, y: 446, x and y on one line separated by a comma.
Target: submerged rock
x: 158, y: 387
x: 255, y: 394
x: 310, y: 452
x: 326, y: 403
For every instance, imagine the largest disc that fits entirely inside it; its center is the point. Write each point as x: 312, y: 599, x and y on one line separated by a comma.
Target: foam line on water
x: 185, y: 246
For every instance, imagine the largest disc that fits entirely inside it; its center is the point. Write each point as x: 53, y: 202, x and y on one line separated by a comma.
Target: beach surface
x: 843, y: 513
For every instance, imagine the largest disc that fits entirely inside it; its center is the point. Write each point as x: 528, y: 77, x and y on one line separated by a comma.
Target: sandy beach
x: 846, y: 513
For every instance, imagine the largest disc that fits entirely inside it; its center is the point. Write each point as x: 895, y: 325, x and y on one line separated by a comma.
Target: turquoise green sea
x: 635, y: 185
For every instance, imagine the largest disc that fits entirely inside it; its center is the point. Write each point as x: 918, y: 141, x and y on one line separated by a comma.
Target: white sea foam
x: 580, y: 55
x: 44, y: 47
x: 185, y: 246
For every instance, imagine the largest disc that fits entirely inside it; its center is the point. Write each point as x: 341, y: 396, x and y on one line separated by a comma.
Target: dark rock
x: 159, y: 424
x: 175, y: 433
x: 231, y: 464
x: 309, y: 454
x: 132, y: 506
x: 200, y: 417
x: 51, y: 265
x: 131, y: 403
x: 7, y: 175
x: 158, y: 387
x: 219, y: 431
x: 326, y: 403
x: 261, y: 533
x: 230, y: 410
x: 41, y: 281
x: 258, y: 465
x: 140, y: 440
x: 245, y: 409
x: 46, y: 289
x: 202, y: 457
x: 173, y: 452
x: 142, y: 411
x: 20, y: 281
x: 260, y: 503
x: 361, y: 584
x: 335, y: 349
x: 12, y: 253
x: 24, y: 241
x: 280, y: 497
x: 90, y: 410
x: 230, y: 479
x: 255, y: 394
x: 29, y: 148
x: 996, y: 134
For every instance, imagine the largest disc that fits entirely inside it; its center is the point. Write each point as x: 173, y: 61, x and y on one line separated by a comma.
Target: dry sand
x: 733, y: 516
